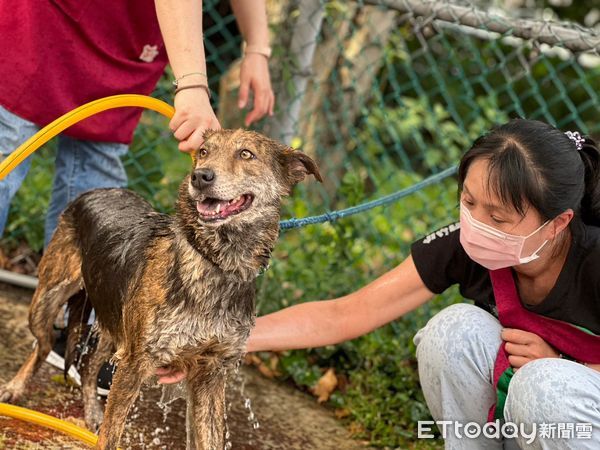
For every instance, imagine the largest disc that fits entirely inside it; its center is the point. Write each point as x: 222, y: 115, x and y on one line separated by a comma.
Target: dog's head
x: 240, y: 175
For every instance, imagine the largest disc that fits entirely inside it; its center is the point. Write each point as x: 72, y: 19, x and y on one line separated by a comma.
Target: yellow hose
x: 47, y: 421
x: 78, y: 114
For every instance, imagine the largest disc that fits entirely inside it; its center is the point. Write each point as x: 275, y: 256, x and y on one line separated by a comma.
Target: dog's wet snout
x: 202, y: 178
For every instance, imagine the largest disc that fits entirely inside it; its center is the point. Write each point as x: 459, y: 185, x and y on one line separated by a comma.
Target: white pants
x: 456, y: 352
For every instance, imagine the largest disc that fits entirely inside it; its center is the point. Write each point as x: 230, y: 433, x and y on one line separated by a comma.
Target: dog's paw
x: 94, y: 415
x: 10, y: 393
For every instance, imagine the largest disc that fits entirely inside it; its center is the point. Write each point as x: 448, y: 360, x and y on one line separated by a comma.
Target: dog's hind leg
x: 91, y: 364
x: 206, y: 410
x: 127, y: 382
x: 41, y: 321
x: 59, y: 279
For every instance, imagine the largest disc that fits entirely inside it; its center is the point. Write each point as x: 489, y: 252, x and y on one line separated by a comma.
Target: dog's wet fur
x: 172, y: 291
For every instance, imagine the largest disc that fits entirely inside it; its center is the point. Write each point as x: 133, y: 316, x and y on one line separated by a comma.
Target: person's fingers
x: 171, y: 377
x: 250, y: 118
x: 517, y: 361
x: 176, y: 121
x: 244, y: 92
x: 261, y: 106
x: 184, y: 130
x: 518, y: 336
x: 272, y: 104
x: 163, y: 370
x: 194, y: 134
x: 168, y: 375
x: 517, y: 349
x: 194, y: 141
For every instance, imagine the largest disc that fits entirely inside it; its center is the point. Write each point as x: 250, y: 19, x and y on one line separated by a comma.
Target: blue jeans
x: 80, y: 166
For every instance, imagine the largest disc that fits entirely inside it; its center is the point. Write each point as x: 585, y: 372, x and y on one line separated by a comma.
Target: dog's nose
x: 202, y: 178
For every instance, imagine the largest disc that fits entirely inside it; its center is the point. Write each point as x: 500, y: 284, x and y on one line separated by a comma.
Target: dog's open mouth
x: 212, y: 209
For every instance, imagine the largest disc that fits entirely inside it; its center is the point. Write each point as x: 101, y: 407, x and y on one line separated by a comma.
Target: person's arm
x: 251, y: 17
x: 181, y: 27
x: 316, y: 324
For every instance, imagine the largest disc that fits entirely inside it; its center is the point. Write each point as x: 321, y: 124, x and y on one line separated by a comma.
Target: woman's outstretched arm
x: 319, y: 323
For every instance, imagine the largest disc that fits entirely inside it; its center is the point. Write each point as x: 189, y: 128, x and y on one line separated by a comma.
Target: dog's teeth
x: 218, y: 208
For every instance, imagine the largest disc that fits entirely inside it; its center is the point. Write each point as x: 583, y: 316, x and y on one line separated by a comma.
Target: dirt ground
x: 287, y: 418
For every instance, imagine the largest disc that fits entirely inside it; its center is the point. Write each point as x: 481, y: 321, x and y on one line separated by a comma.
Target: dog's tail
x: 79, y: 309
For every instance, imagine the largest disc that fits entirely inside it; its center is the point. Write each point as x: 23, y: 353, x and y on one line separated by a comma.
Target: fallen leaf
x: 325, y: 386
x: 262, y: 368
x: 340, y: 413
x: 356, y: 428
x: 252, y: 359
x: 273, y: 362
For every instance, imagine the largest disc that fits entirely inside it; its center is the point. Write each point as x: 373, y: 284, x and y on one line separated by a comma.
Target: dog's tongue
x: 219, y: 208
x: 210, y: 205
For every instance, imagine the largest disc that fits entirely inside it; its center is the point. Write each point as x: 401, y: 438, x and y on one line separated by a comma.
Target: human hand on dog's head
x: 193, y: 116
x: 241, y: 175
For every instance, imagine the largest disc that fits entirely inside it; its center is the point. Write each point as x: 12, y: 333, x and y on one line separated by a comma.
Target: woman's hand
x: 168, y: 375
x: 523, y: 346
x: 254, y: 75
x: 193, y: 116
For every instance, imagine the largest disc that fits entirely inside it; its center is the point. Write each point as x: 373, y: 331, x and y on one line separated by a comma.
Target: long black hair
x: 531, y: 162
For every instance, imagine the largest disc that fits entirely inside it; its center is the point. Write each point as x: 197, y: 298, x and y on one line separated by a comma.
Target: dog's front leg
x: 125, y: 388
x: 206, y: 410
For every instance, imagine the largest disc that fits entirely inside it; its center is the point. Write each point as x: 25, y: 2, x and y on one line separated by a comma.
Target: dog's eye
x: 202, y: 153
x: 246, y: 154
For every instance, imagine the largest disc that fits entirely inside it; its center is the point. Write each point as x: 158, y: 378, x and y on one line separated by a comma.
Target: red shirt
x: 56, y: 55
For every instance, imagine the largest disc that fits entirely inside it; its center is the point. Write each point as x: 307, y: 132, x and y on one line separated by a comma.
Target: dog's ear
x: 298, y: 165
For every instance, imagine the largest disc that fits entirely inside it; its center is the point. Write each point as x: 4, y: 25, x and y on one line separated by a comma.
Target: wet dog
x: 173, y: 291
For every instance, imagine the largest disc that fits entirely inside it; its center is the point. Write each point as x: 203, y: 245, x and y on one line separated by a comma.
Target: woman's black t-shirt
x: 575, y: 298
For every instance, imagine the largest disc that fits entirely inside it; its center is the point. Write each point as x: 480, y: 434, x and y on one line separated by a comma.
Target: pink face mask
x: 492, y: 248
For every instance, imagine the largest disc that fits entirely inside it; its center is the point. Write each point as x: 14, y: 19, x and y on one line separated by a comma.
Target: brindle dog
x: 173, y: 291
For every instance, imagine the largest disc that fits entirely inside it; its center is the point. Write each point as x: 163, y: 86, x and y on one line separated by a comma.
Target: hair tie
x: 576, y: 137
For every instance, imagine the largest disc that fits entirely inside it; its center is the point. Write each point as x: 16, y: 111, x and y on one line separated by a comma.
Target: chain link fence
x: 376, y: 91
